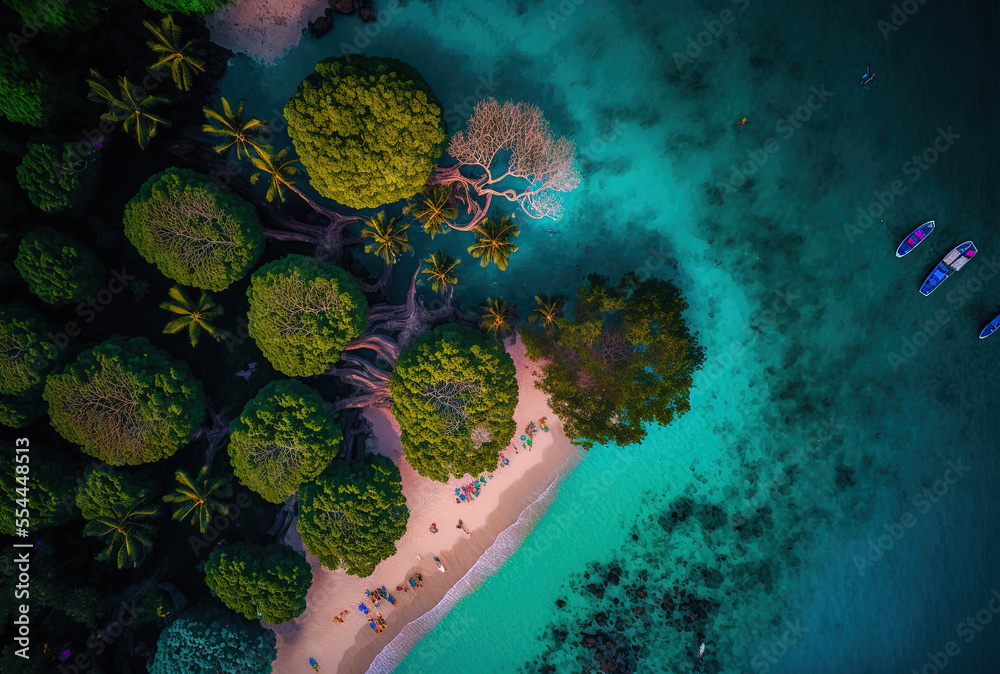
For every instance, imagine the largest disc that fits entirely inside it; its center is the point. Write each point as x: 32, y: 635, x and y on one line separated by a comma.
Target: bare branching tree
x: 508, y: 142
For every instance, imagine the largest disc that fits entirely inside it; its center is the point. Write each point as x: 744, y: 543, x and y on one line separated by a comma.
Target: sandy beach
x: 525, y: 487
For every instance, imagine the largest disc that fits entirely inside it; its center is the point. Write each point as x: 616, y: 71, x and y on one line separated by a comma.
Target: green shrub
x: 50, y: 486
x: 106, y: 490
x: 18, y: 411
x: 58, y: 18
x: 26, y: 93
x: 25, y: 357
x: 55, y: 177
x: 367, y: 130
x: 57, y: 268
x: 262, y: 582
x: 196, y: 232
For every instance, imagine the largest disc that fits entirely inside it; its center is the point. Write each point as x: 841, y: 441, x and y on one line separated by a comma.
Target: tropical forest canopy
x: 169, y: 285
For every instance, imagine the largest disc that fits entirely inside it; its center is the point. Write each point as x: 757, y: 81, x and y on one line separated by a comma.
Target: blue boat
x: 990, y: 328
x: 951, y: 263
x: 914, y: 239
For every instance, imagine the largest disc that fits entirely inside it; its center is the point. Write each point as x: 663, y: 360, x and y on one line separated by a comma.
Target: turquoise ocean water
x: 829, y: 504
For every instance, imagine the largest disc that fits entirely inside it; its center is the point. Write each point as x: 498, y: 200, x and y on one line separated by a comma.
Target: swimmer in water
x: 741, y: 122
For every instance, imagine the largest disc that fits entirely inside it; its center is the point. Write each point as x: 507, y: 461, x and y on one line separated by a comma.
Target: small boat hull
x: 915, y: 238
x: 990, y: 328
x: 956, y: 258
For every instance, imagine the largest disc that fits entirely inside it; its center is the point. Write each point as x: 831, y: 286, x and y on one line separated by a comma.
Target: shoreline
x: 389, y: 657
x: 502, y: 516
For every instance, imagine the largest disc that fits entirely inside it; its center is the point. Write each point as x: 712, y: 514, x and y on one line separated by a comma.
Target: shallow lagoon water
x: 823, y: 359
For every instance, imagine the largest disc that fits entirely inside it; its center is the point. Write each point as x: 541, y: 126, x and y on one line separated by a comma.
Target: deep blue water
x: 833, y: 395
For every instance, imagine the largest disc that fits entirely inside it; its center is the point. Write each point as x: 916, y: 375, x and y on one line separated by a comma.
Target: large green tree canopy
x: 196, y: 232
x: 57, y: 268
x: 368, y: 130
x: 453, y: 394
x: 626, y: 359
x: 303, y: 312
x: 266, y: 582
x: 204, y: 642
x: 352, y: 518
x: 125, y: 402
x: 285, y: 436
x: 55, y: 177
x: 26, y: 93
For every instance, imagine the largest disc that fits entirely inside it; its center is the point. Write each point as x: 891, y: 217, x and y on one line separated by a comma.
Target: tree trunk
x: 384, y: 345
x: 177, y: 598
x: 467, y: 193
x: 284, y: 518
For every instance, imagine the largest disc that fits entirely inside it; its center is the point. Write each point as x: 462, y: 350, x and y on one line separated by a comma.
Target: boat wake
x: 493, y: 557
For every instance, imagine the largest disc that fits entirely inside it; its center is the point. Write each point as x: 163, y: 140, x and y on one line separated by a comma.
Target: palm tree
x: 497, y: 317
x: 548, y: 310
x: 433, y: 208
x: 389, y: 238
x: 131, y: 106
x: 493, y: 241
x: 193, y: 317
x: 174, y: 54
x: 243, y: 133
x: 278, y: 168
x: 129, y: 537
x: 441, y: 268
x: 198, y: 497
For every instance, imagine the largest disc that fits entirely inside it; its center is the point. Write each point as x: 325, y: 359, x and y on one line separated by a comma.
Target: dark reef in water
x: 652, y: 606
